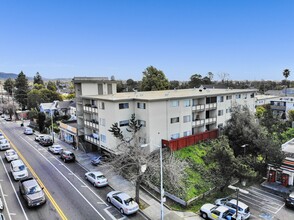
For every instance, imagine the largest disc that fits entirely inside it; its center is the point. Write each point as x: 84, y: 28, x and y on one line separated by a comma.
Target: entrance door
x: 272, y: 176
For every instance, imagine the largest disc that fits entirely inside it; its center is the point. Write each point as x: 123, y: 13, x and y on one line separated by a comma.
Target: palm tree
x: 286, y: 74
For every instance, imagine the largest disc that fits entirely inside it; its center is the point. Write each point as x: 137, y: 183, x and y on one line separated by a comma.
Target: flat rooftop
x: 288, y: 146
x: 168, y: 94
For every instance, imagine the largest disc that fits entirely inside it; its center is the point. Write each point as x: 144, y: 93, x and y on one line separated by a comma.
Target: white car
x: 96, y: 178
x: 39, y: 136
x: 231, y: 204
x: 123, y: 202
x: 28, y: 131
x: 55, y: 149
x: 4, y: 144
x: 18, y: 169
x: 10, y: 155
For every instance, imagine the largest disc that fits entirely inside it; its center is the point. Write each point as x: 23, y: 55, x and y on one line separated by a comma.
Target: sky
x: 245, y: 39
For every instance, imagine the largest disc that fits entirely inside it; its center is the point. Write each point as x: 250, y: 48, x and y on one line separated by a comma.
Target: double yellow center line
x: 56, y: 206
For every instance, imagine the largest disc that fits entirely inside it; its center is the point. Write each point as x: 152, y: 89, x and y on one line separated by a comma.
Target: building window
x: 220, y: 99
x: 229, y: 97
x: 174, y: 120
x: 141, y: 105
x: 175, y: 136
x: 187, y: 133
x: 101, y: 105
x: 245, y: 96
x: 187, y: 103
x: 142, y: 122
x: 187, y: 118
x: 220, y: 112
x: 238, y: 96
x: 123, y: 105
x: 103, y: 138
x: 102, y: 121
x: 210, y: 100
x: 252, y: 95
x: 124, y: 123
x: 175, y: 103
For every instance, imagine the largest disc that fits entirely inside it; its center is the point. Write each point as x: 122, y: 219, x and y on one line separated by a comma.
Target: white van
x: 18, y: 169
x: 28, y: 131
x: 4, y: 144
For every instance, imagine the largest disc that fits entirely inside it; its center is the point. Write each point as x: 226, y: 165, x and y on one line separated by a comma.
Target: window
x: 103, y: 138
x: 175, y: 103
x: 124, y: 123
x: 252, y: 95
x: 220, y: 99
x: 245, y: 96
x: 238, y: 96
x: 220, y: 112
x: 229, y: 97
x: 187, y: 133
x: 187, y: 118
x: 210, y: 100
x: 187, y: 103
x: 175, y: 136
x: 174, y: 120
x: 102, y: 121
x: 142, y: 122
x: 123, y: 105
x: 141, y: 105
x: 101, y: 105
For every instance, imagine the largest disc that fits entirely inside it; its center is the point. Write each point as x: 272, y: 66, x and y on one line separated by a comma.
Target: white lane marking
x: 264, y: 191
x: 280, y: 208
x: 17, y: 197
x: 110, y: 215
x: 260, y: 199
x: 259, y: 206
x: 264, y: 204
x: 255, y: 193
x: 69, y: 181
x: 12, y: 214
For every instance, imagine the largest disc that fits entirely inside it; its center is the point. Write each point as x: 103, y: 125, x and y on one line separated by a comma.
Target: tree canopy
x: 22, y: 88
x: 9, y: 85
x: 38, y: 79
x: 154, y: 79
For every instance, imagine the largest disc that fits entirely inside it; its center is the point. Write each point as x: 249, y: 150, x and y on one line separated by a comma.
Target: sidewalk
x: 117, y: 182
x: 278, y: 188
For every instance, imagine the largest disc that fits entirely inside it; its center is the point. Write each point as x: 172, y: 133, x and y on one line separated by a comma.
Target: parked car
x: 7, y: 118
x: 55, y: 149
x: 123, y: 202
x: 28, y: 131
x: 290, y: 200
x: 10, y: 155
x: 210, y: 211
x: 39, y: 136
x: 231, y: 204
x: 96, y: 160
x: 46, y: 141
x: 67, y: 156
x: 96, y: 178
x: 4, y: 144
x: 32, y: 192
x: 2, y: 216
x: 18, y: 169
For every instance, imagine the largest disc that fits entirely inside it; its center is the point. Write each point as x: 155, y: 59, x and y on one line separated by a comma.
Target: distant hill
x: 5, y: 76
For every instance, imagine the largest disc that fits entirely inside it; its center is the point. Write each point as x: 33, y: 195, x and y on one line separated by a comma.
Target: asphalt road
x: 69, y: 195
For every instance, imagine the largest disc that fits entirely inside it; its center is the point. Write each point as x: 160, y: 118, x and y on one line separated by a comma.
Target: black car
x: 46, y: 141
x: 290, y: 200
x: 67, y: 156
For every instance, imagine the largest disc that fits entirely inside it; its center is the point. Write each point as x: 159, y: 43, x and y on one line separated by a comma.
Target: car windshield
x: 34, y: 189
x: 101, y: 177
x: 19, y: 168
x: 10, y: 153
x: 129, y: 201
x: 226, y: 213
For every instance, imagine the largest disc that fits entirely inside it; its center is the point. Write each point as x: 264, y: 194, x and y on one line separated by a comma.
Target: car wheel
x: 108, y: 200
x: 122, y: 211
x: 204, y: 215
x: 86, y: 177
x: 94, y: 184
x: 64, y: 160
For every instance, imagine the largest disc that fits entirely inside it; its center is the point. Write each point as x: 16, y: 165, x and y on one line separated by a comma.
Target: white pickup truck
x: 210, y: 211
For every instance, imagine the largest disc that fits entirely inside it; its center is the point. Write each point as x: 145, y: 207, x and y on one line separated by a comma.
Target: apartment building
x: 281, y: 106
x: 167, y: 115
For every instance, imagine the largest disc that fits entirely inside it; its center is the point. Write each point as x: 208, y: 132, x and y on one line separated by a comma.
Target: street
x: 69, y: 195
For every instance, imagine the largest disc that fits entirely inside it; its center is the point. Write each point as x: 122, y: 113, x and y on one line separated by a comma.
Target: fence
x: 182, y: 142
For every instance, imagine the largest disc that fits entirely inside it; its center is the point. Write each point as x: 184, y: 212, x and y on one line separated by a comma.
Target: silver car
x: 123, y: 202
x: 10, y: 155
x: 96, y: 178
x: 55, y: 149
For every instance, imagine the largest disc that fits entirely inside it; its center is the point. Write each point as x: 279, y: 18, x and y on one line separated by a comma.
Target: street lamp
x: 244, y: 146
x: 52, y: 127
x: 237, y: 189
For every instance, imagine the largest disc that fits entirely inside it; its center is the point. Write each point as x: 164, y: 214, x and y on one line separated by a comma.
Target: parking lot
x: 263, y: 203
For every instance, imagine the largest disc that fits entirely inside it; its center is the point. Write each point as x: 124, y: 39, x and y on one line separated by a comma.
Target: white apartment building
x: 168, y: 114
x: 281, y: 106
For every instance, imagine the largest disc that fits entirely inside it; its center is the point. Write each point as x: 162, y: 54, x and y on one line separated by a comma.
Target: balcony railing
x: 278, y: 107
x: 92, y: 140
x: 198, y: 122
x: 210, y: 106
x: 91, y: 124
x: 90, y: 109
x: 210, y: 120
x: 198, y: 108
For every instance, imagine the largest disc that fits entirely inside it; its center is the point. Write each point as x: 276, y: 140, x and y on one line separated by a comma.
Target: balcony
x: 92, y: 140
x: 92, y: 124
x: 198, y: 122
x: 198, y: 108
x: 90, y: 109
x: 210, y: 121
x: 210, y: 106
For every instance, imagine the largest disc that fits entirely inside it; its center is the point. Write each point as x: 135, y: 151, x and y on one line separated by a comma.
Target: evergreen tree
x: 9, y: 85
x: 154, y: 79
x: 38, y: 79
x: 22, y: 88
x: 51, y: 86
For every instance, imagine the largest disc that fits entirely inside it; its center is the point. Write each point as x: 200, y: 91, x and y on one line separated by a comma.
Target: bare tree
x: 224, y: 77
